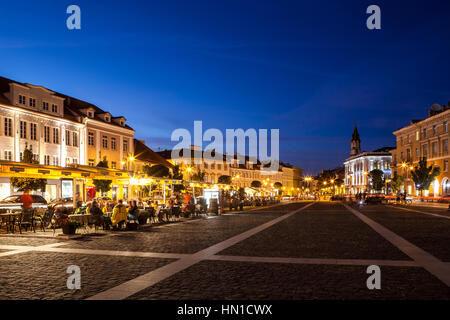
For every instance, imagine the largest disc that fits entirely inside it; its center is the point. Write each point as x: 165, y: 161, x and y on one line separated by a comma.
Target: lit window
x: 47, y: 160
x: 33, y: 131
x: 91, y: 162
x: 47, y: 134
x: 445, y: 126
x: 8, y: 127
x: 8, y: 155
x: 75, y: 139
x: 23, y: 129
x: 91, y: 138
x: 113, y: 164
x: 55, y: 135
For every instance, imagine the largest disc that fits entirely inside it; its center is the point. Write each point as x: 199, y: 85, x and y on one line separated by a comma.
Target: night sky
x: 309, y: 68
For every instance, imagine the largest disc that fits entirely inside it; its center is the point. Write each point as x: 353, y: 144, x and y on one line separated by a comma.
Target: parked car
x: 13, y: 203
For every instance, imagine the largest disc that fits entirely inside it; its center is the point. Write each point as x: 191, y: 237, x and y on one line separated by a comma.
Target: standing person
x: 119, y: 215
x: 27, y: 201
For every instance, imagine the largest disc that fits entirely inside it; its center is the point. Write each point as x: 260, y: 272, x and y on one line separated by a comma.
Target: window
x: 417, y: 136
x: 22, y: 99
x: 54, y: 108
x: 435, y: 130
x: 23, y: 129
x: 33, y: 131
x: 225, y: 166
x: 55, y: 161
x: 408, y: 155
x: 45, y: 106
x: 75, y: 139
x: 106, y: 118
x: 417, y: 153
x: 445, y: 145
x: 36, y: 157
x: 8, y: 155
x: 55, y: 135
x: 46, y: 134
x: 409, y: 138
x: 445, y: 126
x: 401, y: 141
x: 32, y: 103
x: 219, y: 167
x: 8, y: 127
x: 47, y: 160
x: 206, y: 165
x: 445, y: 165
x: 75, y: 161
x: 91, y: 162
x: 91, y: 138
x: 434, y: 148
x: 67, y: 138
x: 121, y: 123
x: 125, y: 145
x: 213, y: 166
x: 113, y: 143
x: 401, y: 157
x: 90, y: 114
x: 113, y: 164
x: 105, y: 142
x: 424, y: 150
x: 424, y: 133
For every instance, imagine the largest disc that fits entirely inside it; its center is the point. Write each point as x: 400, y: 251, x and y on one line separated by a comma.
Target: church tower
x: 355, y: 143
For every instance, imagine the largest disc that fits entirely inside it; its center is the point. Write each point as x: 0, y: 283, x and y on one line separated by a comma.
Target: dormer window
x: 90, y: 114
x: 122, y: 123
x: 106, y: 118
x: 45, y: 106
x: 22, y: 99
x: 54, y: 108
x: 32, y: 102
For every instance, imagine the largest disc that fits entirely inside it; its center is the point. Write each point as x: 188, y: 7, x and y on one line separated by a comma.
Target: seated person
x: 119, y: 215
x: 133, y: 211
x: 96, y: 213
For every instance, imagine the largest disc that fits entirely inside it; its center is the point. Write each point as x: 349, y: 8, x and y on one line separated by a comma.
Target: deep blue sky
x: 309, y: 68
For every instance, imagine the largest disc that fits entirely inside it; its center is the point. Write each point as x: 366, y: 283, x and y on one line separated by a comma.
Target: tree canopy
x: 224, y: 179
x: 27, y: 184
x: 256, y: 184
x: 423, y: 176
x: 377, y: 179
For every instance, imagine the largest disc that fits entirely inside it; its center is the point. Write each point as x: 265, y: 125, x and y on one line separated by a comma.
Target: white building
x: 359, y: 164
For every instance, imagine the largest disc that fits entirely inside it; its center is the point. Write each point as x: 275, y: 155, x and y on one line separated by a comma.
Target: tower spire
x: 355, y: 143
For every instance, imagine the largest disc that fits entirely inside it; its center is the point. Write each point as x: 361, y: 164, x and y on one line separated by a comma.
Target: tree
x: 377, y: 178
x: 256, y: 184
x: 278, y: 185
x: 27, y: 184
x: 241, y: 193
x: 423, y: 176
x: 397, y: 182
x: 158, y: 171
x: 198, y: 176
x: 177, y: 174
x: 224, y: 179
x: 102, y: 185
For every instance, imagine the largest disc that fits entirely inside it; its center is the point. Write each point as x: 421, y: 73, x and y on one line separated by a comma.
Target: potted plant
x: 69, y: 226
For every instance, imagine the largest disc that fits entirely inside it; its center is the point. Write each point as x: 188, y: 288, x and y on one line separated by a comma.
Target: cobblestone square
x: 294, y: 251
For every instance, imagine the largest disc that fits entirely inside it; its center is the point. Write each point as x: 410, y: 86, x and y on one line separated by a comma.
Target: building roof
x: 145, y: 154
x: 384, y: 151
x: 72, y: 106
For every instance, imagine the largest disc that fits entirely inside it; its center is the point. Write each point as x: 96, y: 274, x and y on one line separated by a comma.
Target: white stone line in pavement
x: 423, y: 212
x: 352, y: 262
x: 163, y: 255
x: 149, y: 279
x: 436, y: 267
x: 22, y: 249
